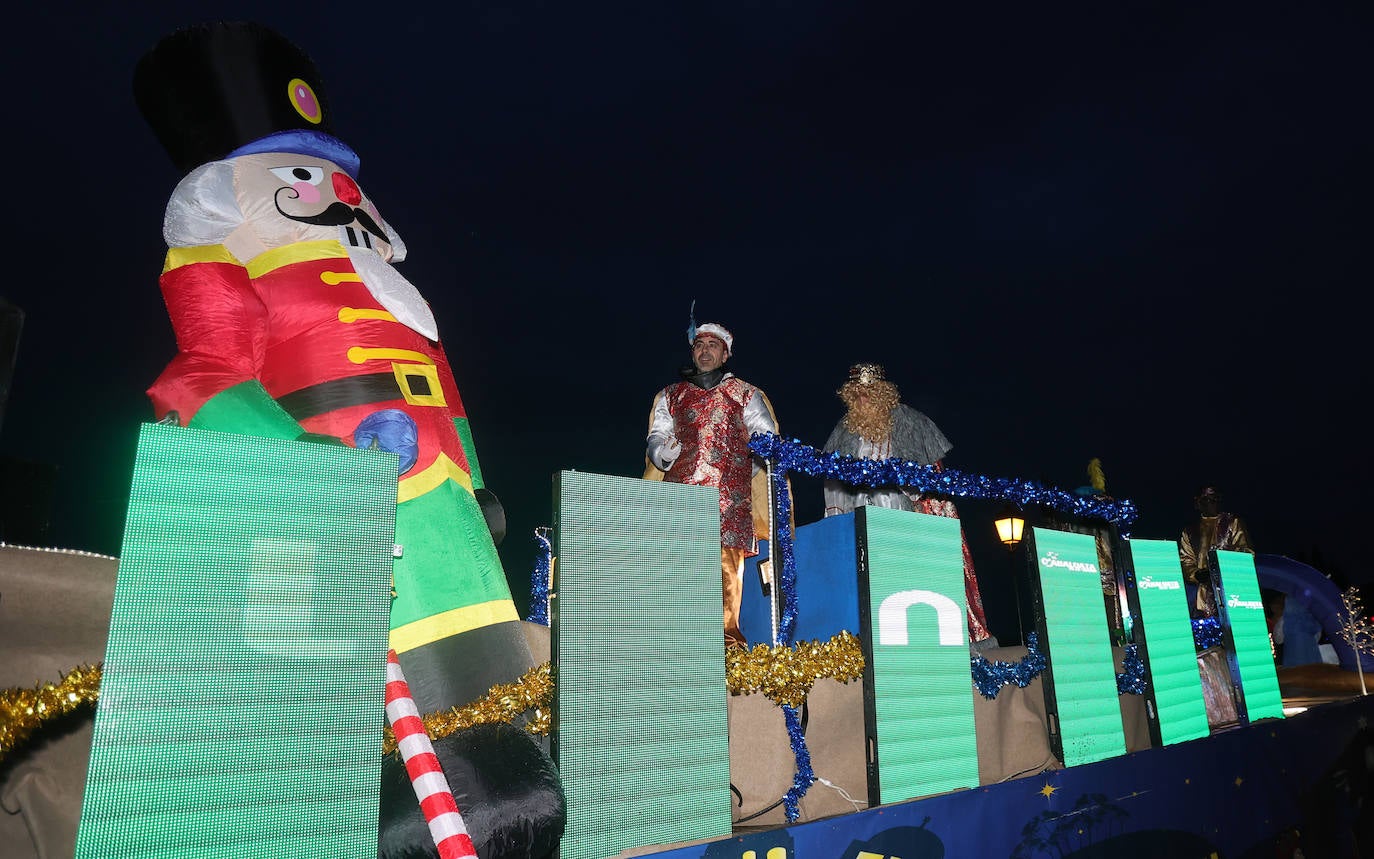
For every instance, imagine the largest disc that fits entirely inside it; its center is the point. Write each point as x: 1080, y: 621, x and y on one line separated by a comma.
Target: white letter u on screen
x: 892, y: 617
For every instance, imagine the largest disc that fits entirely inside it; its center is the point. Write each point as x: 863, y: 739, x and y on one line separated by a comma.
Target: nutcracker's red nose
x: 347, y: 190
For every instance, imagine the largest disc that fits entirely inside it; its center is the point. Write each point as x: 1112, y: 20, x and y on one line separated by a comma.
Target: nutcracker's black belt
x: 342, y: 393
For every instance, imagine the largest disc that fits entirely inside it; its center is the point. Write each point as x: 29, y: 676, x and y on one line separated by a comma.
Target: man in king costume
x: 878, y: 425
x: 1214, y: 529
x: 699, y: 431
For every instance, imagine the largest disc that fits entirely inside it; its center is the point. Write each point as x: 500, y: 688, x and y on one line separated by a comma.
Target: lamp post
x: 1010, y: 526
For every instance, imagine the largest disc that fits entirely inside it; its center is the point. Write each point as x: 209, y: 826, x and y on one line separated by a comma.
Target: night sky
x: 1126, y: 231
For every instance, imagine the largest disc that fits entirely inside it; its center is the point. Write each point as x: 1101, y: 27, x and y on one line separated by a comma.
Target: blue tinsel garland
x: 989, y: 676
x: 1206, y: 632
x: 786, y: 554
x: 785, y: 564
x: 801, y: 782
x: 1132, y: 680
x: 539, y: 579
x: 793, y: 455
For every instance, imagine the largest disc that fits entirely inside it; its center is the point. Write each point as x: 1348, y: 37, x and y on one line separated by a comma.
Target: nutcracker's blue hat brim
x: 304, y: 142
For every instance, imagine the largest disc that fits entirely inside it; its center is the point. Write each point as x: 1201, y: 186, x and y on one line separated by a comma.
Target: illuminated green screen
x: 641, y: 737
x: 1079, y: 648
x: 1242, y: 608
x: 1174, y: 681
x: 914, y: 625
x: 241, y: 704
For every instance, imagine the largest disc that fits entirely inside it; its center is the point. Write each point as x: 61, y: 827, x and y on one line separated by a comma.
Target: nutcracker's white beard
x: 392, y: 291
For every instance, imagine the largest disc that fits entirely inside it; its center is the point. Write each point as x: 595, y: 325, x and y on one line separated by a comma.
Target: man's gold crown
x: 866, y: 374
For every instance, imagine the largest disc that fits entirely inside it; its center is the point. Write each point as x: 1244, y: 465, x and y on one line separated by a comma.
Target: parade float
x: 306, y: 645
x: 859, y: 724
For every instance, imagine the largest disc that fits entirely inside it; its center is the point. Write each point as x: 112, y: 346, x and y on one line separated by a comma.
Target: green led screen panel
x: 241, y: 703
x: 1242, y: 609
x: 640, y: 738
x: 1163, y: 602
x: 1081, y: 682
x: 913, y: 621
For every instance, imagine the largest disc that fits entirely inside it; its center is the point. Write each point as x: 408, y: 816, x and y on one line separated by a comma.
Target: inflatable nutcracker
x: 292, y: 323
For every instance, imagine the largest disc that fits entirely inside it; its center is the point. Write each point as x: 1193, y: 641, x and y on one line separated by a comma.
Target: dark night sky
x: 1132, y: 232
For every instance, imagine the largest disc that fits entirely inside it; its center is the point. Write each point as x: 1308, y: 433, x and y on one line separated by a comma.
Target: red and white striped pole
x: 426, y: 776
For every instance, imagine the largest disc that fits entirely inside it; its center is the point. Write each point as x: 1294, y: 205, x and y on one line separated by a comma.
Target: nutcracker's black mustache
x: 336, y: 215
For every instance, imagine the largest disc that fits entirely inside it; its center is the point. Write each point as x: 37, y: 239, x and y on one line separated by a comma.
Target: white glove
x: 669, y: 453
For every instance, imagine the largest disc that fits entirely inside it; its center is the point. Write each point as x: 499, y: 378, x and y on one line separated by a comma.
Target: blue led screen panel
x: 915, y: 631
x: 1078, y: 644
x: 640, y: 732
x: 1168, y: 629
x: 827, y: 598
x: 241, y: 703
x: 1242, y: 609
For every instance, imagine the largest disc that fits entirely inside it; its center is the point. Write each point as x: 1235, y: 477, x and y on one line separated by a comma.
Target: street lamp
x: 1010, y: 527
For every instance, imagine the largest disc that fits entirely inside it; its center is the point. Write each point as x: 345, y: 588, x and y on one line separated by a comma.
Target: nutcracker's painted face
x: 290, y: 198
x: 708, y: 353
x: 304, y: 188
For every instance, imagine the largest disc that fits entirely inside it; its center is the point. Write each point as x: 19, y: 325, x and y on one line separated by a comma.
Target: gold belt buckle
x: 419, y: 384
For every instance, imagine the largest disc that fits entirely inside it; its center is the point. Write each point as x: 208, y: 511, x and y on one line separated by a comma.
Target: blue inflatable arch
x: 1314, y: 592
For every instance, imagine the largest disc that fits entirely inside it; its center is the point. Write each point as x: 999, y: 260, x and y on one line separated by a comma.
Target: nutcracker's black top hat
x: 218, y: 90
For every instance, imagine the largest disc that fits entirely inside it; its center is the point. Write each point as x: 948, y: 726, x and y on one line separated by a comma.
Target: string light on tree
x: 1356, y: 630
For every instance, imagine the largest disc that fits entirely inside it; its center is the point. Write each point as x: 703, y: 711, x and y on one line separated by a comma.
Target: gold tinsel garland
x: 24, y: 711
x: 786, y: 674
x: 503, y: 703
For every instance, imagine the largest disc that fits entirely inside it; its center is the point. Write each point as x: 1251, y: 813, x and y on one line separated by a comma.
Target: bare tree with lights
x: 1355, y: 629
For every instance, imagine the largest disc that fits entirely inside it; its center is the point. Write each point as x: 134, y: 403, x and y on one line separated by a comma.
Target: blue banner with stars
x: 1300, y: 783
